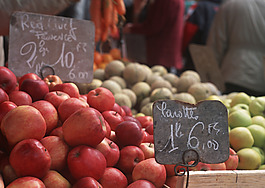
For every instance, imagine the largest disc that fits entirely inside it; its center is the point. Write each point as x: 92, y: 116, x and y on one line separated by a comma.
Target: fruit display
x: 54, y: 135
x: 137, y: 86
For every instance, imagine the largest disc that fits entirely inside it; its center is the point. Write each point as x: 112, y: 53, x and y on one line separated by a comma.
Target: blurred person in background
x: 196, y: 27
x: 163, y: 29
x: 237, y: 37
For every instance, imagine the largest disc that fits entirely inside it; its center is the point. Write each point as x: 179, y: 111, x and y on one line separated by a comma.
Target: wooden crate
x: 221, y: 179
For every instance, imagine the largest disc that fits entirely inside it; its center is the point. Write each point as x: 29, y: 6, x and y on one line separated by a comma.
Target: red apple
x: 130, y: 156
x: 3, y: 96
x: 117, y: 108
x: 85, y: 126
x: 86, y: 161
x: 70, y: 88
x: 108, y: 129
x: 147, y: 137
x: 55, y: 179
x: 2, y: 184
x: 8, y: 80
x: 141, y: 183
x: 30, y: 158
x: 113, y: 177
x: 150, y: 170
x: 6, y: 107
x: 28, y: 181
x: 101, y: 98
x: 83, y: 98
x: 127, y: 110
x: 148, y: 149
x: 4, y: 144
x: 37, y: 89
x: 129, y: 133
x: 144, y: 120
x: 58, y: 151
x: 58, y: 131
x: 113, y: 118
x: 174, y: 181
x: 69, y: 106
x: 3, y: 159
x: 131, y: 118
x: 110, y: 150
x: 232, y: 162
x: 113, y: 136
x: 32, y: 76
x: 218, y: 166
x: 52, y: 80
x: 23, y: 122
x: 56, y: 97
x: 87, y: 182
x: 149, y: 128
x: 20, y: 98
x: 49, y: 113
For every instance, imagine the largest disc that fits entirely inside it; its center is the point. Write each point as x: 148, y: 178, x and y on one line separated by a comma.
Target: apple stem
x: 136, y: 160
x: 150, y: 144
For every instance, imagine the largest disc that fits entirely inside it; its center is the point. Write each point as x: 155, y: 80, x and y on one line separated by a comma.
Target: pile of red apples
x: 52, y: 136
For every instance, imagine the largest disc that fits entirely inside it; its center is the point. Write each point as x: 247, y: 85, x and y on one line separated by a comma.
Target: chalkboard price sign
x: 65, y: 45
x: 200, y: 129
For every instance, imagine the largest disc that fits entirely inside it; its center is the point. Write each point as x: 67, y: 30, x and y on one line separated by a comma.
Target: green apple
x: 258, y: 133
x: 240, y: 98
x: 257, y: 106
x: 239, y: 118
x: 240, y: 137
x: 139, y: 114
x: 227, y: 102
x: 261, y: 153
x: 262, y: 167
x: 258, y: 120
x: 238, y: 107
x: 249, y: 159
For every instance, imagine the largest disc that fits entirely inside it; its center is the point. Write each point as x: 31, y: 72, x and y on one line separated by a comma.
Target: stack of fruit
x: 247, y: 128
x: 138, y: 86
x: 53, y: 136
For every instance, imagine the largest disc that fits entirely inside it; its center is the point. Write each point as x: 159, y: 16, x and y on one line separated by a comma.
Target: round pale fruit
x: 258, y: 120
x: 240, y: 98
x: 240, y: 137
x: 257, y: 106
x: 239, y: 107
x: 261, y: 153
x: 239, y: 118
x: 258, y: 133
x: 249, y: 159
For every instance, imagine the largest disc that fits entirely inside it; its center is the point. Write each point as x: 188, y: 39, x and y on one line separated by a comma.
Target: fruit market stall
x: 60, y: 135
x: 101, y: 130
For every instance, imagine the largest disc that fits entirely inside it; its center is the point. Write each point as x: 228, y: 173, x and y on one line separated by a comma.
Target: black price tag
x: 185, y: 132
x: 39, y: 43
